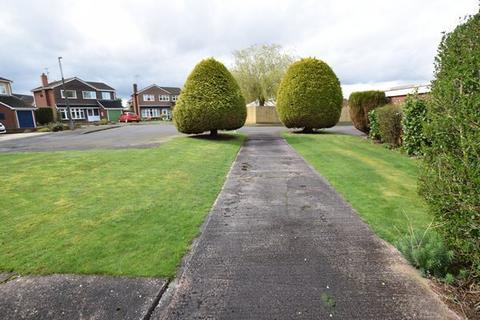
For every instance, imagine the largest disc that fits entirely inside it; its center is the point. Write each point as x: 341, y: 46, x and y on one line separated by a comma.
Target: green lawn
x: 379, y: 183
x: 120, y: 212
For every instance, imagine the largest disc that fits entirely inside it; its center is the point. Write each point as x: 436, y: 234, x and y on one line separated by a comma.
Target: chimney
x: 136, y: 107
x: 44, y: 79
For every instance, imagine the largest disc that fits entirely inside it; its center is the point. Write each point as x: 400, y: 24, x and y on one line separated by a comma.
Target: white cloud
x: 369, y: 44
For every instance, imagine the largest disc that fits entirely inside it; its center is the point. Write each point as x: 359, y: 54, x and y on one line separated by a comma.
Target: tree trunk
x: 307, y: 130
x: 261, y: 101
x: 213, y: 133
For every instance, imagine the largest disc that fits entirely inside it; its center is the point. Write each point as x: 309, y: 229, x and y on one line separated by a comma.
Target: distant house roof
x: 14, y: 103
x: 100, y: 85
x: 110, y: 104
x: 170, y: 90
x: 28, y: 99
x: 407, y: 89
x: 94, y: 85
x: 5, y: 79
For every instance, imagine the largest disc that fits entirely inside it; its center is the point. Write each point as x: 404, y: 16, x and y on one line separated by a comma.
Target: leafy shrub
x: 44, y: 115
x: 415, y: 116
x: 309, y: 96
x: 56, y: 126
x: 450, y: 177
x: 426, y: 250
x: 361, y: 103
x: 389, y: 120
x: 103, y: 121
x: 374, y: 132
x: 210, y: 100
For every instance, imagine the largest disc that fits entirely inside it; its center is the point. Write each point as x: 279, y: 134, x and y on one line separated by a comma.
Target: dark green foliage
x: 415, y: 116
x: 374, y: 132
x: 426, y: 250
x: 44, y: 115
x: 57, y: 126
x: 361, y: 103
x: 210, y: 100
x: 309, y: 96
x: 389, y: 120
x: 450, y: 178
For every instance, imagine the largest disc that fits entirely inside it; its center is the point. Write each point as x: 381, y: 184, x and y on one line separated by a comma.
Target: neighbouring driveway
x: 124, y: 136
x: 280, y: 243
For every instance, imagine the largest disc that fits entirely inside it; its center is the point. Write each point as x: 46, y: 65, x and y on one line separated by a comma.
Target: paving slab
x: 281, y: 243
x: 79, y: 297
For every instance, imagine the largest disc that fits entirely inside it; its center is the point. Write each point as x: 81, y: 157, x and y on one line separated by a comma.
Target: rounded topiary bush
x: 210, y: 100
x: 450, y: 178
x: 361, y: 103
x: 309, y: 96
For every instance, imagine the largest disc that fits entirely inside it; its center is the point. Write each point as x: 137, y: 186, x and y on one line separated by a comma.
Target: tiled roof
x: 172, y: 90
x: 111, y: 104
x: 28, y: 99
x: 14, y: 102
x: 100, y: 85
x: 97, y: 85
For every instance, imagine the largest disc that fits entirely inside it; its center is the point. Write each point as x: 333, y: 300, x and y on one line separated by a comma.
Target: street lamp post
x: 69, y: 115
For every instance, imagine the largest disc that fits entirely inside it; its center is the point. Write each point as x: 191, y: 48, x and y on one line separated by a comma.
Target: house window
x: 165, y: 112
x: 63, y: 114
x: 174, y: 98
x: 89, y: 95
x: 148, y: 97
x: 2, y: 116
x: 150, y: 113
x: 77, y: 113
x: 164, y: 97
x: 3, y: 88
x: 93, y: 112
x: 106, y: 95
x: 71, y: 94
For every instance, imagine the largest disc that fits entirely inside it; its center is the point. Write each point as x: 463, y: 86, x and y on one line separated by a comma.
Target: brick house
x: 154, y: 101
x: 16, y: 111
x: 397, y: 95
x: 89, y: 101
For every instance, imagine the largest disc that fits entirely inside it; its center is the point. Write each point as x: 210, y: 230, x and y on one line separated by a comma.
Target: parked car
x: 2, y: 128
x: 129, y: 117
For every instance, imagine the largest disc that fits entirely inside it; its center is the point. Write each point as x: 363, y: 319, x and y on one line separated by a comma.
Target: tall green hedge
x: 210, y: 100
x: 389, y: 119
x: 415, y: 116
x: 44, y: 115
x: 450, y: 178
x: 309, y: 96
x: 361, y: 103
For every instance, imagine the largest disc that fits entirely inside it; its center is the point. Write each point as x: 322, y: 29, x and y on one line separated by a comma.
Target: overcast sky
x: 369, y: 44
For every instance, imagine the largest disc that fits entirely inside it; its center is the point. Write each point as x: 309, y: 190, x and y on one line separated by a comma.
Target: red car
x: 129, y: 117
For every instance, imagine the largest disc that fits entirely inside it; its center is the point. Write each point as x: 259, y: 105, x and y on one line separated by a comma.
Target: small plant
x: 415, y: 117
x: 389, y: 119
x: 426, y: 250
x: 374, y: 133
x: 44, y: 129
x: 103, y: 122
x: 56, y: 126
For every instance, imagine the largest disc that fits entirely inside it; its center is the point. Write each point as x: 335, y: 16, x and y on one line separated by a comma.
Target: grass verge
x: 120, y: 212
x: 380, y: 184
